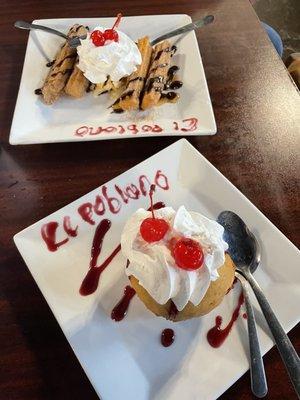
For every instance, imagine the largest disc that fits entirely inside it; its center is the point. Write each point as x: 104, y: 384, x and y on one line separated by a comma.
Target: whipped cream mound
x: 114, y: 59
x: 154, y: 266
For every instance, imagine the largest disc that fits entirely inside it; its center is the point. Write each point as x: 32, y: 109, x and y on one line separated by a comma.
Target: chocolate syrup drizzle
x: 66, y: 58
x: 158, y: 83
x: 50, y: 63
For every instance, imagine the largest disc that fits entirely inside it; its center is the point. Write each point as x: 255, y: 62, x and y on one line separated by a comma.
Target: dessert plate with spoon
x: 122, y: 77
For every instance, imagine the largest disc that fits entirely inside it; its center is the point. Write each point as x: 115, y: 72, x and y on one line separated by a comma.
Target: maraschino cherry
x: 112, y: 34
x: 153, y: 229
x: 188, y: 254
x: 99, y: 38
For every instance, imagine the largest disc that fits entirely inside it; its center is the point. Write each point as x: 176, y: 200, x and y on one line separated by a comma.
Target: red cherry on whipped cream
x: 188, y: 254
x: 98, y: 38
x: 153, y: 229
x: 111, y: 34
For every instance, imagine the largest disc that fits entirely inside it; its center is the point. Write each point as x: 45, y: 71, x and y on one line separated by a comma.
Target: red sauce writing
x: 48, y: 232
x: 112, y: 202
x: 68, y: 228
x: 108, y: 200
x: 216, y: 335
x: 185, y: 125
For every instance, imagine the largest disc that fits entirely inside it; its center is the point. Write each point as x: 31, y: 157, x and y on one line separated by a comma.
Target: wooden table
x: 256, y: 148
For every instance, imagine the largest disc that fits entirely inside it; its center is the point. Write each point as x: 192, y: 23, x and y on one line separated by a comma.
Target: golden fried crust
x: 158, y: 74
x: 62, y: 68
x: 211, y: 300
x: 77, y: 83
x: 130, y: 98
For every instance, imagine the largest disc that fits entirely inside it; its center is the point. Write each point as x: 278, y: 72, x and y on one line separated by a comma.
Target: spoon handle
x: 257, y: 371
x: 184, y: 29
x: 283, y: 343
x: 27, y: 25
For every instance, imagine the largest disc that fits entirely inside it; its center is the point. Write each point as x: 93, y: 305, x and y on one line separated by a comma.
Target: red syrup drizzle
x: 151, y: 208
x: 233, y: 283
x: 157, y: 206
x: 173, y: 311
x: 90, y: 283
x: 167, y: 337
x: 120, y: 310
x: 245, y: 316
x: 216, y: 336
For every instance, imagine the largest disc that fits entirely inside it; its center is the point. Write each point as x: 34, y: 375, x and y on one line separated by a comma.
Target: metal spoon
x: 75, y: 41
x: 257, y: 371
x: 184, y: 29
x: 244, y: 250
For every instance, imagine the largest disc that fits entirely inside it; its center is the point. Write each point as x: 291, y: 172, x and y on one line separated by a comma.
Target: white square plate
x: 90, y: 118
x: 125, y: 360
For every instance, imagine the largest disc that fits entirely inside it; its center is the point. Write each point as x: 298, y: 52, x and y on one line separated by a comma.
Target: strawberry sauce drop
x: 120, y: 310
x: 216, y: 335
x: 167, y: 337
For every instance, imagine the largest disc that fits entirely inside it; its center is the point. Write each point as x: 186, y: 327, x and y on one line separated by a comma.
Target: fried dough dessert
x: 178, y: 263
x: 130, y: 98
x: 136, y: 75
x: 77, y: 84
x: 158, y: 74
x: 62, y: 68
x: 101, y: 88
x: 213, y: 297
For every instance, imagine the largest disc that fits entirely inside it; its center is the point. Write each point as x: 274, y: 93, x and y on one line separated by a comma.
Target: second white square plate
x: 90, y: 118
x: 125, y: 360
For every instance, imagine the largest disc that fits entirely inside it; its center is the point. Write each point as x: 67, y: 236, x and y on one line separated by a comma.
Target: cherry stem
x: 116, y: 24
x: 152, y: 190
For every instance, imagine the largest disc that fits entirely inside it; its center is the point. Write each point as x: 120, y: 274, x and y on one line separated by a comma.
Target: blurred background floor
x: 284, y: 17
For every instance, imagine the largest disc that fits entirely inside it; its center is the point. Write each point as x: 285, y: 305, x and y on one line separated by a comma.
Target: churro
x: 62, y: 68
x: 130, y: 98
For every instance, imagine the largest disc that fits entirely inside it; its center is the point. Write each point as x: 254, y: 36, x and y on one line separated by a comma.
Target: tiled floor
x: 284, y: 17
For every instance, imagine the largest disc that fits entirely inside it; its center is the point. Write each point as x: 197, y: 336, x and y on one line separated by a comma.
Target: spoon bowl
x: 243, y: 245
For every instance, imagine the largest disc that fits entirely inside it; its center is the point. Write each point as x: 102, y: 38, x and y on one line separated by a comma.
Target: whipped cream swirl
x: 114, y: 59
x: 154, y: 266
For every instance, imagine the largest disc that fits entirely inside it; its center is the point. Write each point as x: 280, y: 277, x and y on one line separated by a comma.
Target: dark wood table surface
x: 256, y: 148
